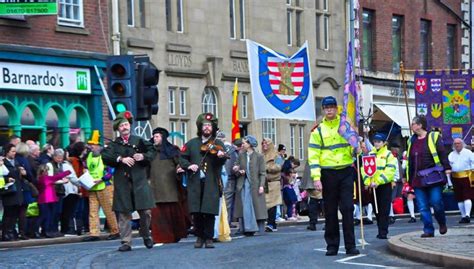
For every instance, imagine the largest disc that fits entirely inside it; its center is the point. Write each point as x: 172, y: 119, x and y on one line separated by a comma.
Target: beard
x: 206, y: 133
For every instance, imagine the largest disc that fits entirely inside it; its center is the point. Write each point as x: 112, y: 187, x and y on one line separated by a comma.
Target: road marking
x: 346, y: 261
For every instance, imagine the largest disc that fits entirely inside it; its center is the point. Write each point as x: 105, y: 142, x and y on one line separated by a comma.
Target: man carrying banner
x: 330, y: 160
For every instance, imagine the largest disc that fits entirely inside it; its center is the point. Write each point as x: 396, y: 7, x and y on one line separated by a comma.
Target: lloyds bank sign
x: 44, y: 78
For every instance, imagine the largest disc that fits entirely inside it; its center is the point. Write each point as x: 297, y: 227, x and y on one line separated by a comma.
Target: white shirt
x: 461, y: 161
x: 4, y: 170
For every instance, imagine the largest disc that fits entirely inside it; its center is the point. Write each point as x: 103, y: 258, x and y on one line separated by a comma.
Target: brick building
x: 424, y: 34
x: 48, y: 85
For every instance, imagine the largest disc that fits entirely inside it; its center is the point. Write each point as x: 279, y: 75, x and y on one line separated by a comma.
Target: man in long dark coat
x: 130, y: 155
x: 203, y: 158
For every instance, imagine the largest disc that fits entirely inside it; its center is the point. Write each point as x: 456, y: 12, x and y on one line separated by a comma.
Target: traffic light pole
x: 104, y: 91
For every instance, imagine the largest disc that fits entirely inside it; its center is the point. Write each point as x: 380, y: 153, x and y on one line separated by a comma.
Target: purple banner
x: 446, y: 99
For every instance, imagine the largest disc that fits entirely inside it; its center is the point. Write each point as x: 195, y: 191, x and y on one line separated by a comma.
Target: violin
x: 212, y: 148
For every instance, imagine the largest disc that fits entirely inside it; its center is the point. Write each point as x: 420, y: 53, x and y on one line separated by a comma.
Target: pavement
x: 454, y: 249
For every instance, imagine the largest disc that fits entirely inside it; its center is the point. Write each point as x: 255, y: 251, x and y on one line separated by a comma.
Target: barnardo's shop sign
x: 32, y: 7
x: 44, y: 78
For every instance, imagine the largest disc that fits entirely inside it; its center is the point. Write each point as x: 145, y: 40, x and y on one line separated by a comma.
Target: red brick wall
x: 42, y: 32
x: 412, y: 11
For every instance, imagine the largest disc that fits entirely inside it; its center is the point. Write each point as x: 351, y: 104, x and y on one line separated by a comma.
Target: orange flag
x: 235, y: 113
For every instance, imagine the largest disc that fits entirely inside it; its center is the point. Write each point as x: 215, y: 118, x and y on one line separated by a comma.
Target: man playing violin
x: 203, y: 157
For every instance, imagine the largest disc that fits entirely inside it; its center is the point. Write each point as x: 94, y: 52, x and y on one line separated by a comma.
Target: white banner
x: 281, y: 86
x: 44, y: 78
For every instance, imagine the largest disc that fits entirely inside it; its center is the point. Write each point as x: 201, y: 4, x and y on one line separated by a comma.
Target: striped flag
x: 235, y: 113
x: 350, y: 110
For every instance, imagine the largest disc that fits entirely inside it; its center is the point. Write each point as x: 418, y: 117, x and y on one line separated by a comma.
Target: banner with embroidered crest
x: 370, y: 165
x: 281, y: 86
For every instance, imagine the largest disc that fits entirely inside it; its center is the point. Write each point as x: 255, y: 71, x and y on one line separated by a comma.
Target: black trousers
x: 338, y: 191
x: 315, y: 206
x: 384, y: 195
x: 204, y: 225
x: 69, y: 206
x: 272, y: 216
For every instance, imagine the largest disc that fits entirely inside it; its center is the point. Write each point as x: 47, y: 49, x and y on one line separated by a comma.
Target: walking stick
x: 360, y: 204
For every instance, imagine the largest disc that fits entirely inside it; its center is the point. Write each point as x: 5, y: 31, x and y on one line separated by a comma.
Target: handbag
x: 303, y: 209
x: 432, y: 176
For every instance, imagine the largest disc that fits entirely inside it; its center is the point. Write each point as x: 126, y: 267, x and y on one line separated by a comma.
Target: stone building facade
x: 200, y: 47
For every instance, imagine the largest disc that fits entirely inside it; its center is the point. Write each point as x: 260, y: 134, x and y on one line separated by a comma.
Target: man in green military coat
x: 130, y: 155
x: 203, y: 158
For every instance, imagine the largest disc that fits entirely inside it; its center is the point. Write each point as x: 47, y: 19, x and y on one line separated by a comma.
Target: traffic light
x: 147, y: 90
x: 121, y: 79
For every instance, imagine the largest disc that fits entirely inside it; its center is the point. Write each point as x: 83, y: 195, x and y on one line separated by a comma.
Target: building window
x: 451, y: 46
x: 169, y: 24
x: 182, y: 101
x: 179, y: 14
x: 209, y: 101
x: 171, y: 101
x: 322, y: 24
x: 141, y: 10
x: 289, y: 39
x: 184, y: 133
x: 232, y: 18
x: 293, y: 30
x: 172, y: 139
x: 301, y: 142
x: 174, y: 23
x: 425, y: 44
x: 240, y: 20
x: 318, y: 106
x: 71, y: 13
x: 245, y: 105
x: 292, y: 140
x: 269, y: 129
x: 397, y: 23
x: 367, y: 39
x: 130, y: 13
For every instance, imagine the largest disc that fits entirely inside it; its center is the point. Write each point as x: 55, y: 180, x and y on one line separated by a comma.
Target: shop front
x: 46, y: 95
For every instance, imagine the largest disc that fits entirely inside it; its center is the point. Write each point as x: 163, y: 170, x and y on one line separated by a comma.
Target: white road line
x: 345, y: 261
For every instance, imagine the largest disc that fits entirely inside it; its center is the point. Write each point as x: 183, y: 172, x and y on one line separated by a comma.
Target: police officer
x: 330, y: 160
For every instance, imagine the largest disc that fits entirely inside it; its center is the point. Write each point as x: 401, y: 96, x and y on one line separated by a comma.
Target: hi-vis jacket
x: 327, y: 148
x: 386, y: 167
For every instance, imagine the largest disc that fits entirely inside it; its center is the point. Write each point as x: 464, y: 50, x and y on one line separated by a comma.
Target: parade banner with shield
x: 369, y: 164
x: 281, y: 85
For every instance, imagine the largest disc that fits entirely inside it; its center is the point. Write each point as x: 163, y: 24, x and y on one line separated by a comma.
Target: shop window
x: 71, y: 13
x: 5, y: 130
x: 53, y: 135
x: 28, y: 117
x: 367, y: 39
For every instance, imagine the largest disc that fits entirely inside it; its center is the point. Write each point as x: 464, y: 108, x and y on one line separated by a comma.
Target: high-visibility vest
x: 327, y: 149
x: 96, y: 167
x: 386, y: 167
x: 432, y: 139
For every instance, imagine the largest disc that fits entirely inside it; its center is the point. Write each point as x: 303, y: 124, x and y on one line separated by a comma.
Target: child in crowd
x: 289, y: 194
x: 47, y: 198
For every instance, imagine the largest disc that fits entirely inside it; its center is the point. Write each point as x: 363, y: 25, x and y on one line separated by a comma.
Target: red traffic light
x: 118, y: 70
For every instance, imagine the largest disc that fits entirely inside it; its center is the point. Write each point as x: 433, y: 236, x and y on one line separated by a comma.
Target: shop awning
x: 398, y: 113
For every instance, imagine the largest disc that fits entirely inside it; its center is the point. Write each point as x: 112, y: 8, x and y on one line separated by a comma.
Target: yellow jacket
x: 327, y: 149
x: 386, y: 167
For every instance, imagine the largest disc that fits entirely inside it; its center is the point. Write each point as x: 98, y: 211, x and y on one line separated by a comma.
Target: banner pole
x: 402, y: 74
x: 360, y: 204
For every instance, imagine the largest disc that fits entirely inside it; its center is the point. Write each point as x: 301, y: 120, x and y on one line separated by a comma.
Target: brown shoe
x: 209, y: 243
x: 199, y: 243
x: 443, y: 229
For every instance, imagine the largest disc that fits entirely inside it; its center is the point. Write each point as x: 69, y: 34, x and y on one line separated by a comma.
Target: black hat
x: 159, y: 130
x: 281, y: 147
